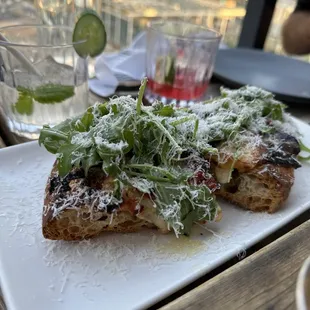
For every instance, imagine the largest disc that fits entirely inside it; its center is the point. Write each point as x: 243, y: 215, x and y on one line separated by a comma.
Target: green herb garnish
x: 303, y: 148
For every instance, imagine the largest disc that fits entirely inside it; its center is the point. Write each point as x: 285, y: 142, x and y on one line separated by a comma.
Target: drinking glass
x: 42, y: 79
x: 64, y: 12
x: 179, y: 61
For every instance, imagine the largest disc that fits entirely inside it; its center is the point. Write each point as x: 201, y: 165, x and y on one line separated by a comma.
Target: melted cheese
x: 149, y: 214
x: 222, y: 175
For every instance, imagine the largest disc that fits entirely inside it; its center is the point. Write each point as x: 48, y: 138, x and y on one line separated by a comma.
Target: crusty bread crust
x: 258, y: 182
x: 84, y: 221
x: 264, y: 188
x: 77, y: 225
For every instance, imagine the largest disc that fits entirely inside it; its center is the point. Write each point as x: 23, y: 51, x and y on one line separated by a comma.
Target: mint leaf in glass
x: 52, y: 93
x: 24, y: 104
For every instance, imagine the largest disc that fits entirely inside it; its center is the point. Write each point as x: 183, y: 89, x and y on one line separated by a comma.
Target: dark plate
x: 287, y: 78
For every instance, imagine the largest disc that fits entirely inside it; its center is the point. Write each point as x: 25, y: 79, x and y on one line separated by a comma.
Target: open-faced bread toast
x: 73, y: 207
x: 260, y: 176
x: 122, y: 166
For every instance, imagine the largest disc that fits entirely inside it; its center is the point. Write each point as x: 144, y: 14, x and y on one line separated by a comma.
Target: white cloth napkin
x: 127, y: 65
x: 113, y: 68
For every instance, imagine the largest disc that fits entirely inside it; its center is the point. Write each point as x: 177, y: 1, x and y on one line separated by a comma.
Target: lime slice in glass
x: 89, y: 28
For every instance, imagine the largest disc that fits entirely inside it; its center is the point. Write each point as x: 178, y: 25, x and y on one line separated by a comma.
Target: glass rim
x: 153, y: 24
x: 35, y: 26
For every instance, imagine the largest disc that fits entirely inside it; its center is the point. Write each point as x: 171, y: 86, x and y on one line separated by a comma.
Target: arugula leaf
x: 140, y: 96
x: 114, y: 109
x: 51, y: 145
x: 128, y: 136
x: 226, y: 105
x: 52, y: 138
x: 103, y: 108
x: 111, y: 168
x: 92, y: 159
x: 157, y: 171
x: 111, y: 149
x: 273, y: 110
x: 302, y: 158
x: 85, y: 122
x: 162, y: 110
x: 65, y: 158
x: 164, y: 131
x: 181, y: 206
x: 303, y: 147
x: 196, y: 128
x: 183, y: 120
x: 277, y: 113
x: 188, y: 221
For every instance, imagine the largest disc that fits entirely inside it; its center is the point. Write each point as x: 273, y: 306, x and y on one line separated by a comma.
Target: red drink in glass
x: 191, y: 92
x: 180, y: 60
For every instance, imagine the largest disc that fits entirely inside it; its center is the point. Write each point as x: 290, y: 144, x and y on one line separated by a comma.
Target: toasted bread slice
x: 72, y: 207
x: 264, y: 188
x: 260, y: 179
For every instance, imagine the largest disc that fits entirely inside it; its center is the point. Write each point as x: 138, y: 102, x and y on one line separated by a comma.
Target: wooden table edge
x: 192, y: 299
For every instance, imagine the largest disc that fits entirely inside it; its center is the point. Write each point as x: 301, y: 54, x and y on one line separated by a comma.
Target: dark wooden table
x: 265, y: 279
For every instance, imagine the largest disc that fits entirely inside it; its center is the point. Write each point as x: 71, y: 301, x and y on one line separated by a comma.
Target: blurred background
x: 125, y: 18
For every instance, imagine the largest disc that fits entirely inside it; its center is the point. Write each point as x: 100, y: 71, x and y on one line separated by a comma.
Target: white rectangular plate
x: 114, y: 271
